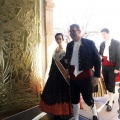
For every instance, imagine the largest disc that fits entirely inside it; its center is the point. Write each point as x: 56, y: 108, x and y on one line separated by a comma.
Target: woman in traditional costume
x: 55, y: 98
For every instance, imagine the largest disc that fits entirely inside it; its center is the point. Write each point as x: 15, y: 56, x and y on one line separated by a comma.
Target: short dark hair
x: 75, y: 25
x: 59, y: 34
x: 105, y: 30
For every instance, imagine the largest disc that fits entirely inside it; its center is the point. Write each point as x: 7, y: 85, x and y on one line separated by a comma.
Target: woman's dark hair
x: 59, y: 34
x: 105, y: 30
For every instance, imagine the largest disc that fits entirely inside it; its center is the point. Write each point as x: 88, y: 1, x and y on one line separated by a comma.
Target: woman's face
x: 59, y: 39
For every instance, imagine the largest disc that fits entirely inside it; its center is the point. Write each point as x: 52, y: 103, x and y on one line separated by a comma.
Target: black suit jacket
x: 88, y: 56
x: 114, y: 52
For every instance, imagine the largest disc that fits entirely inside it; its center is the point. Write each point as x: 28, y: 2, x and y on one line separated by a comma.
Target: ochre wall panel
x: 20, y: 84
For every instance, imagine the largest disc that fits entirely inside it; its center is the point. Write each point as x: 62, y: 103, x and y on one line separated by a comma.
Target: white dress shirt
x: 74, y: 59
x: 106, y: 50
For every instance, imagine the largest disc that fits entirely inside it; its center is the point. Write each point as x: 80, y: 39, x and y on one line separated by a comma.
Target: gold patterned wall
x: 20, y: 84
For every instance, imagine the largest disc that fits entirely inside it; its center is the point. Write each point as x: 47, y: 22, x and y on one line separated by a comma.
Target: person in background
x: 81, y: 56
x: 110, y: 55
x: 55, y: 98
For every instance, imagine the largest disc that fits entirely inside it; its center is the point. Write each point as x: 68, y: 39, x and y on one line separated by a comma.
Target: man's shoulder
x: 87, y: 40
x: 70, y: 43
x: 102, y: 43
x: 114, y: 40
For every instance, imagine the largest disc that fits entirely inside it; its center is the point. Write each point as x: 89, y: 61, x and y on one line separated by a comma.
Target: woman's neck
x: 60, y: 45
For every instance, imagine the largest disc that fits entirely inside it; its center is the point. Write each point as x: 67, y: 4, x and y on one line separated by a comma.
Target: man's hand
x: 116, y: 71
x: 101, y: 76
x: 95, y: 81
x: 101, y: 57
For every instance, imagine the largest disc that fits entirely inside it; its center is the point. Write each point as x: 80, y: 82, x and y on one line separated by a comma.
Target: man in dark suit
x: 81, y: 56
x: 110, y: 55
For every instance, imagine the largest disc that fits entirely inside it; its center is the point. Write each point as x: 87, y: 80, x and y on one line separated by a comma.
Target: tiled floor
x: 103, y: 114
x: 50, y: 117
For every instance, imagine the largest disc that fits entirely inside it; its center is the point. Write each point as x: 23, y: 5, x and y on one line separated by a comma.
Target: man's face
x: 105, y: 35
x: 75, y: 33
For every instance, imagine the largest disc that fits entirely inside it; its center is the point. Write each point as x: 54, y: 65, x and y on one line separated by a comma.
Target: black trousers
x: 85, y: 87
x: 109, y: 77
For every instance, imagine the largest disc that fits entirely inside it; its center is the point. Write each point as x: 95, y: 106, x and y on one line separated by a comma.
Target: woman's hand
x: 67, y: 71
x: 95, y: 81
x: 66, y: 61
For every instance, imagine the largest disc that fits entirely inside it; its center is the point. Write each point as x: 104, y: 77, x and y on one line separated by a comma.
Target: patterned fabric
x: 59, y: 54
x: 56, y: 109
x: 62, y: 70
x: 100, y: 90
x: 55, y: 98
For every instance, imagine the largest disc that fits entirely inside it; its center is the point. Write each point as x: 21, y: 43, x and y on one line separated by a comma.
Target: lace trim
x: 57, y: 109
x: 59, y: 54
